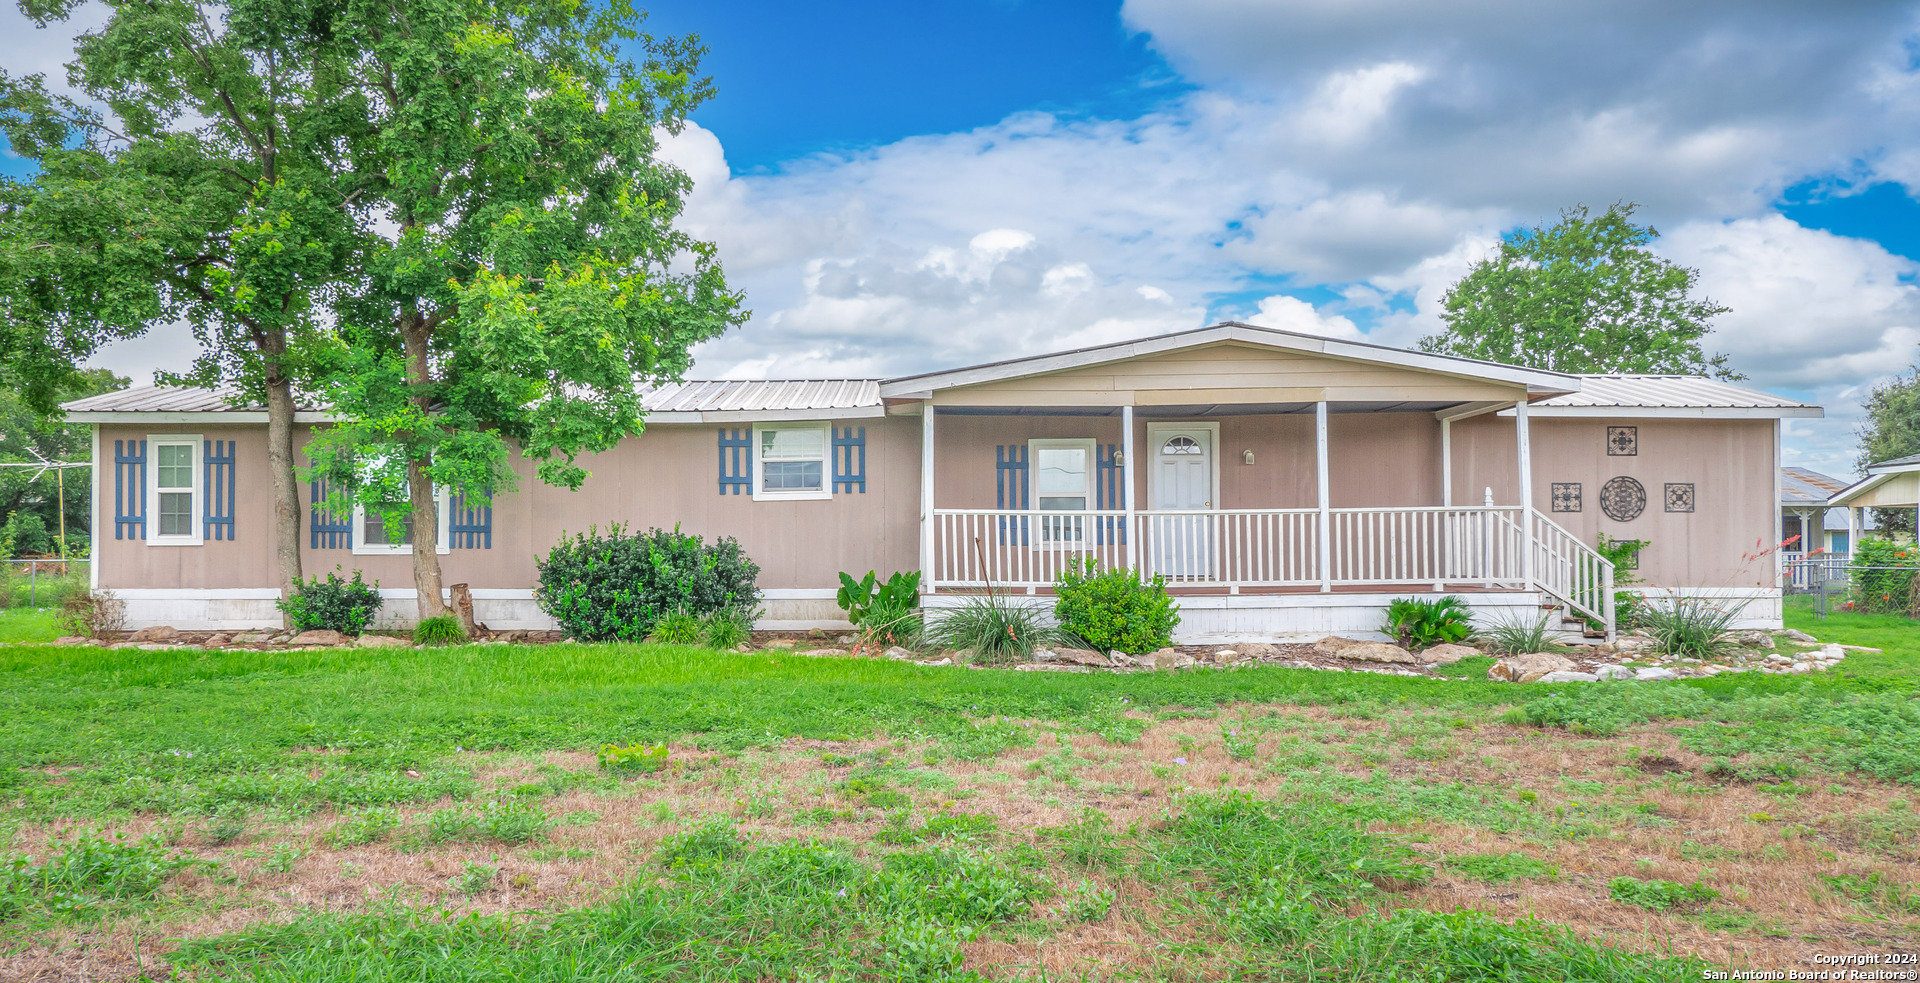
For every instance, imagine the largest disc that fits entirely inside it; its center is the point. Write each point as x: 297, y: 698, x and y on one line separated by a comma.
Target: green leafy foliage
x: 444, y: 629
x: 1088, y: 902
x: 1517, y: 635
x: 1501, y: 868
x: 1658, y: 895
x: 1881, y: 580
x: 474, y: 878
x: 85, y: 874
x: 860, y: 598
x: 1685, y: 625
x: 995, y: 628
x: 729, y: 627
x: 1585, y: 295
x: 616, y: 585
x: 1112, y: 609
x: 367, y: 826
x: 642, y: 758
x: 1889, y: 428
x: 677, y: 627
x: 346, y: 606
x: 1423, y: 623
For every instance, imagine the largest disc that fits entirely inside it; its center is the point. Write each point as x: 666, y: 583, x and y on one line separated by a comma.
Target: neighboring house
x: 1805, y: 517
x: 1285, y: 484
x: 1893, y: 484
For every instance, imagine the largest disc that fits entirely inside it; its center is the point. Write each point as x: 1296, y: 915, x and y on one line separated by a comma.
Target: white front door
x: 1183, y: 481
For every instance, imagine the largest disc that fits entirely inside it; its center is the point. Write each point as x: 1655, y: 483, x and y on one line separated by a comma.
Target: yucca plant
x: 1689, y: 626
x: 996, y: 629
x: 1516, y: 636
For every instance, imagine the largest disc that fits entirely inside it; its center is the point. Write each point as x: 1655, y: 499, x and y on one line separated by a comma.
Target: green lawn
x: 830, y: 818
x: 28, y: 625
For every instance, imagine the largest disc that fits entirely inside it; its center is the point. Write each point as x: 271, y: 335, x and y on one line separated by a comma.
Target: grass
x: 26, y: 625
x: 392, y: 814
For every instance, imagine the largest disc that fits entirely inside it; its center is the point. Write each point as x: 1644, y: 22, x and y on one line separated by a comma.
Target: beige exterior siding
x: 1226, y: 372
x: 1730, y: 463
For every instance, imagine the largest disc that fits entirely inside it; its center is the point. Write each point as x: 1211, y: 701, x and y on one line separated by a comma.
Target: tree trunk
x: 426, y: 540
x: 286, y: 497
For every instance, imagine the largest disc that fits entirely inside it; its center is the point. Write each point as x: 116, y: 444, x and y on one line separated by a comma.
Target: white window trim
x: 197, y: 470
x: 1037, y: 539
x: 826, y: 465
x: 444, y: 501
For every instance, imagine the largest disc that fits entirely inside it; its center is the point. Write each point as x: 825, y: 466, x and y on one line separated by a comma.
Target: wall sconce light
x: 1246, y: 456
x: 1119, y: 459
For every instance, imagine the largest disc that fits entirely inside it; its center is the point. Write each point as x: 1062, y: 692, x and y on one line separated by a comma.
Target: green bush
x: 1691, y: 626
x: 677, y: 627
x: 1112, y: 609
x: 1889, y: 588
x: 995, y: 628
x: 1420, y: 623
x: 617, y: 586
x: 345, y: 606
x: 442, y: 630
x: 729, y: 627
x: 885, y: 612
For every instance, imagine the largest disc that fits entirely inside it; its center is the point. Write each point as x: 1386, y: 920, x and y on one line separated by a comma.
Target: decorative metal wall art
x: 1623, y: 441
x: 1566, y: 496
x: 1680, y: 497
x: 1623, y: 499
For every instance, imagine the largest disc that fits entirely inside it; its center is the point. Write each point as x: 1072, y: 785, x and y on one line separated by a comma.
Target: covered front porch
x: 1150, y: 464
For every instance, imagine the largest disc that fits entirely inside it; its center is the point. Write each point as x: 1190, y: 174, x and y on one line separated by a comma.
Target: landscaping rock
x: 215, y: 640
x: 1831, y: 653
x: 318, y: 636
x: 252, y: 637
x: 1121, y: 659
x: 936, y: 662
x: 1166, y: 658
x: 825, y: 652
x: 1082, y: 657
x: 1754, y: 639
x: 1799, y: 636
x: 848, y: 639
x: 155, y: 633
x: 1654, y: 673
x: 1377, y: 652
x: 1613, y: 672
x: 779, y: 643
x: 898, y: 654
x: 1566, y: 676
x: 1224, y: 655
x: 1446, y: 655
x: 1635, y: 643
x: 1258, y: 650
x: 1044, y: 654
x: 72, y: 640
x: 380, y: 642
x: 1332, y: 644
x: 1529, y: 667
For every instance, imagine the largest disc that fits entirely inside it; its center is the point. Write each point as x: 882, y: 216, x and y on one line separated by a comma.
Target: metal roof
x: 747, y: 395
x: 1669, y: 391
x: 1803, y: 486
x: 1897, y: 462
x: 160, y: 399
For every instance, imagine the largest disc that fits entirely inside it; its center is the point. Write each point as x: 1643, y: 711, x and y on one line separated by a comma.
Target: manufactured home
x: 1285, y: 485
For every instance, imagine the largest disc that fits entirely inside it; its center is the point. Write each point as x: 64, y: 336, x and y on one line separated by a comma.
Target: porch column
x: 1446, y: 464
x: 1325, y: 525
x: 1127, y: 464
x: 1853, y: 531
x: 1522, y: 438
x: 926, y: 497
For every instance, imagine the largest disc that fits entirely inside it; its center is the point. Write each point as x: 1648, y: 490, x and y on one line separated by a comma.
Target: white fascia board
x: 1845, y: 496
x: 1467, y: 411
x: 1893, y: 469
x: 197, y: 416
x: 1672, y: 412
x: 768, y: 416
x: 1536, y: 380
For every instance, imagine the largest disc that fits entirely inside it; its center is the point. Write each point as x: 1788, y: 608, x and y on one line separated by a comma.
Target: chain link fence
x: 42, y: 583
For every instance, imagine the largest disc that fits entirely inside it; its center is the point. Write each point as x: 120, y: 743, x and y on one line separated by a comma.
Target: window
x: 373, y: 535
x: 1062, y: 482
x: 173, y: 490
x: 792, y: 462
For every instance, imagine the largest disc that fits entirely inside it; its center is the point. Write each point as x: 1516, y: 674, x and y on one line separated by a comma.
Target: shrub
x: 93, y: 614
x: 1420, y: 624
x: 677, y: 627
x: 729, y: 627
x: 1513, y: 636
x: 345, y: 606
x: 1882, y: 575
x: 859, y: 598
x: 996, y: 629
x: 617, y: 586
x: 1112, y: 609
x: 441, y: 630
x: 1655, y: 895
x: 1689, y: 626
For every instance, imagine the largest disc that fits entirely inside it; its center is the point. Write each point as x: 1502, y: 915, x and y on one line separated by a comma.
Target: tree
x: 1891, y: 429
x: 1584, y: 295
x: 28, y: 436
x: 207, y: 193
x: 520, y: 273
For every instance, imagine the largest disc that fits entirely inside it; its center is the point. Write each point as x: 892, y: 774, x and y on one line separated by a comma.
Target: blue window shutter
x: 1110, y: 482
x: 217, y: 516
x: 469, y: 526
x: 849, y: 459
x: 736, y: 460
x: 129, y: 489
x: 1010, y: 490
x: 326, y: 530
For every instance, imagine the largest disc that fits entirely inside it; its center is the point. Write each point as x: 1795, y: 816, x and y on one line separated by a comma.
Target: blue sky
x: 903, y: 186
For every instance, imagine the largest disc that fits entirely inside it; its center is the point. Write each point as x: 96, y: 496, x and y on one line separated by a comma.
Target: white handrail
x: 1572, y: 572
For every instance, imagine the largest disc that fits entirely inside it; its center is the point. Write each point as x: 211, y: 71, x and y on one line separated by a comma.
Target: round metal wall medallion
x: 1623, y: 499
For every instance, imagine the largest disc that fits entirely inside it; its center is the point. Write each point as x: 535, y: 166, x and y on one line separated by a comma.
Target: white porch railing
x: 1238, y: 548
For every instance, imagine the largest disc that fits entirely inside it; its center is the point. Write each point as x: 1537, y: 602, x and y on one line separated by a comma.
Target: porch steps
x: 1573, y: 624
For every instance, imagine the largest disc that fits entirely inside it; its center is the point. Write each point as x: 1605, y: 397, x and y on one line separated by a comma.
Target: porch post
x: 1325, y: 525
x: 1525, y: 443
x: 1853, y: 531
x: 1127, y: 464
x: 1446, y: 463
x: 927, y: 573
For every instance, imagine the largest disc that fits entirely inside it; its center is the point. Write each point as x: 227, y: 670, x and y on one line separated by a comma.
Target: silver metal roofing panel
x: 1677, y: 391
x: 159, y: 399
x: 1804, y: 486
x: 748, y: 395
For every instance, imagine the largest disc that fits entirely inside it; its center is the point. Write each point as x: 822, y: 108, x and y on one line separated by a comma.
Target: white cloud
x: 1293, y: 314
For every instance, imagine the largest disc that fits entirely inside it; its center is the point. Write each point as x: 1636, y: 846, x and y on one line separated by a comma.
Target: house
x: 1806, y: 518
x: 1893, y: 484
x: 1286, y: 485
